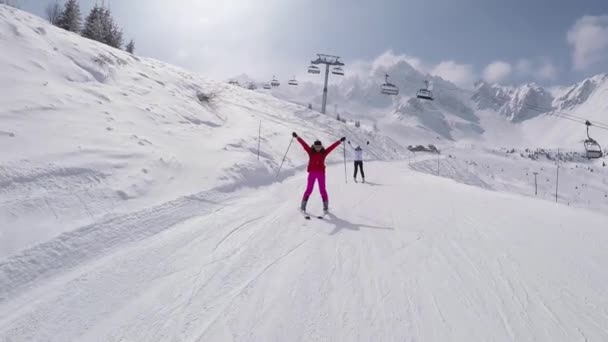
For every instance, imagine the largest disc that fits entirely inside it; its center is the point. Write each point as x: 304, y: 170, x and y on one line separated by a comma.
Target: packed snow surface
x: 140, y: 202
x: 404, y: 257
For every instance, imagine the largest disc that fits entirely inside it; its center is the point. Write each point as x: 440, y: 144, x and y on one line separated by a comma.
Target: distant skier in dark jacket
x: 316, y: 169
x: 358, y: 161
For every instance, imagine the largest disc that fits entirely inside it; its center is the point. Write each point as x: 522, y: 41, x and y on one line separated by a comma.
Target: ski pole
x: 259, y: 137
x: 285, y: 156
x: 345, y: 172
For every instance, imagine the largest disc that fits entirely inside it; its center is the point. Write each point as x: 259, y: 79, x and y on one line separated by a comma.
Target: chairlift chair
x: 313, y: 69
x: 338, y: 71
x: 389, y: 88
x: 293, y: 81
x: 252, y: 86
x: 267, y: 86
x: 592, y: 148
x: 425, y: 93
x: 275, y: 82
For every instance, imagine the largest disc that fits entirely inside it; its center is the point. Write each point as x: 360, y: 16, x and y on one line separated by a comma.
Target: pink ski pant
x: 318, y: 176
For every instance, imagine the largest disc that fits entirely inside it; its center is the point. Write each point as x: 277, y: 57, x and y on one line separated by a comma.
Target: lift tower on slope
x: 329, y: 61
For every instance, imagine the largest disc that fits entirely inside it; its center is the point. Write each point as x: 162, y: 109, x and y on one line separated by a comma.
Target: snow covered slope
x: 88, y: 131
x: 405, y: 257
x: 133, y: 207
x: 580, y: 182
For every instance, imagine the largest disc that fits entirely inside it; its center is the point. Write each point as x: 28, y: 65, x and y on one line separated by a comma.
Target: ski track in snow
x: 248, y: 267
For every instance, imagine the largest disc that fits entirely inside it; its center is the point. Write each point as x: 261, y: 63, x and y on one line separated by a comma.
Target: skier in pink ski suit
x: 316, y: 169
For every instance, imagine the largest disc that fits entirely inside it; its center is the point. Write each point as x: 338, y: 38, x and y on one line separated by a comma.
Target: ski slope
x: 579, y: 183
x: 89, y: 132
x: 132, y: 210
x: 405, y: 257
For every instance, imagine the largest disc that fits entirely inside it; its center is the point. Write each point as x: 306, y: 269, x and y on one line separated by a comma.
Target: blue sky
x: 509, y: 41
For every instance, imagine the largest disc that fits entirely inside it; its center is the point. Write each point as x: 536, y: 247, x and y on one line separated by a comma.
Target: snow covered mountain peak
x: 581, y: 92
x: 516, y: 104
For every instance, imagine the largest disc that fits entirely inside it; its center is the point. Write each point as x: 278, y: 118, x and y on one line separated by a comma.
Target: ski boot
x: 303, y: 205
x: 326, y: 208
x: 364, y: 180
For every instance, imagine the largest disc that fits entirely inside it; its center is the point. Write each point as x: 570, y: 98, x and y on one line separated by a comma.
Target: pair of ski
x: 307, y: 216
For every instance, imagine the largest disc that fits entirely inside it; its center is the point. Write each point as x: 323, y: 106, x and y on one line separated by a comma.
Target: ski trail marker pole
x: 345, y: 172
x: 285, y: 156
x: 557, y: 177
x: 259, y: 137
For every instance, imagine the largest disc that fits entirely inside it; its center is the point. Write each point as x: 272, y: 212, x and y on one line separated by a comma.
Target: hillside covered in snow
x: 142, y: 202
x: 88, y: 131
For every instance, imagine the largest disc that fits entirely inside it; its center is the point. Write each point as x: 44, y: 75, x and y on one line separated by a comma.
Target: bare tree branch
x: 53, y: 12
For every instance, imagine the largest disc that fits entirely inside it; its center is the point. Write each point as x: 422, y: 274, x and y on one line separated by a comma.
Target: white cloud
x: 539, y: 69
x: 208, y: 36
x: 497, y: 71
x: 389, y: 59
x: 589, y: 40
x: 460, y: 74
x: 547, y: 71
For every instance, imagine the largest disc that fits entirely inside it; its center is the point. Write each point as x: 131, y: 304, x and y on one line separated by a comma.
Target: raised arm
x: 302, y: 142
x: 333, y: 146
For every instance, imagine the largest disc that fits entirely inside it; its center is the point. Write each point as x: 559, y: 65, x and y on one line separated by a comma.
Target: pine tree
x: 114, y: 37
x: 70, y: 17
x: 107, y: 24
x: 100, y: 26
x: 131, y: 47
x: 112, y: 33
x: 93, y: 24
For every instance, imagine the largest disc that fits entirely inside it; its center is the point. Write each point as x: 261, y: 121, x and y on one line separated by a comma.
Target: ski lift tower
x: 329, y: 61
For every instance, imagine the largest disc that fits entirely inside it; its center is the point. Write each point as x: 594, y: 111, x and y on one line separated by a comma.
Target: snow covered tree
x: 131, y: 47
x: 53, y: 12
x: 100, y: 26
x: 93, y: 24
x: 70, y: 17
x: 112, y: 35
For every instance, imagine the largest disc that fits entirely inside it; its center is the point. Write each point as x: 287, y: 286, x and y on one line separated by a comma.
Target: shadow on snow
x: 341, y: 224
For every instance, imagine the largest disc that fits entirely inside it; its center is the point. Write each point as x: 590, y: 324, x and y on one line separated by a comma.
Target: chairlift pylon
x: 593, y: 150
x: 389, y: 88
x: 425, y: 93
